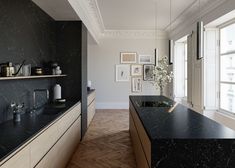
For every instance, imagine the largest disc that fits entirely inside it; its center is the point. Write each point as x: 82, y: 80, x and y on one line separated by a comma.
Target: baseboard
x: 110, y: 105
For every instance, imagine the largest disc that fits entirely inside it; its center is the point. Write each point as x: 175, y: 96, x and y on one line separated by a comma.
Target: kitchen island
x: 169, y: 135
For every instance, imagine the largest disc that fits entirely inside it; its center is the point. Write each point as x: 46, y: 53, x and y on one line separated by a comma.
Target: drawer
x: 61, y: 152
x: 138, y: 150
x: 90, y: 113
x: 146, y: 144
x: 19, y: 160
x: 42, y: 144
x: 65, y: 122
x: 90, y: 98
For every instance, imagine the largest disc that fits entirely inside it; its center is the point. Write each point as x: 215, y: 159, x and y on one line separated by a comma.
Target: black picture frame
x: 146, y: 76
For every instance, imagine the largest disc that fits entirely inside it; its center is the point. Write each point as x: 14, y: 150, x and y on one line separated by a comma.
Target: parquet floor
x: 107, y: 143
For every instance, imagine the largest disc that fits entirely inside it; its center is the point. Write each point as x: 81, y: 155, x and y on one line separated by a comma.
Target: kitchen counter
x: 181, y: 137
x: 90, y: 91
x: 14, y: 134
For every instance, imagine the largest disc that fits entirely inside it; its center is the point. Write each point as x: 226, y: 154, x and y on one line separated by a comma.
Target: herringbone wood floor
x: 107, y: 142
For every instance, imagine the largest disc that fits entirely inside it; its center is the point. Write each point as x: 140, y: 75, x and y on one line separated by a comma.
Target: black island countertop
x: 181, y: 123
x: 181, y: 137
x: 14, y: 134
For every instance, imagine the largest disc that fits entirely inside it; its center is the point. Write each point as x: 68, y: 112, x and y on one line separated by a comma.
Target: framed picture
x: 148, y: 72
x: 136, y: 84
x: 136, y: 70
x: 122, y: 73
x: 128, y: 57
x: 145, y: 59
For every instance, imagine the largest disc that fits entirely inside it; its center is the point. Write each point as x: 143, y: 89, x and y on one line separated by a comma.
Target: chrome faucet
x: 34, y: 96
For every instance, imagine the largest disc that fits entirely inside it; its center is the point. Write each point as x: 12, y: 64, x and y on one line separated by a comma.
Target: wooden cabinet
x: 61, y: 152
x: 65, y: 122
x: 91, y: 107
x: 53, y: 146
x: 137, y: 146
x: 68, y: 136
x: 90, y: 98
x: 140, y: 140
x: 42, y: 144
x: 19, y: 160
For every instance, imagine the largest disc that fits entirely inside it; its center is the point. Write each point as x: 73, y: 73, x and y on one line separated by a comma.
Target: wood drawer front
x: 90, y: 98
x: 138, y: 150
x: 146, y: 144
x: 66, y: 121
x: 90, y: 113
x: 42, y: 144
x: 61, y: 152
x: 19, y: 160
x: 67, y: 144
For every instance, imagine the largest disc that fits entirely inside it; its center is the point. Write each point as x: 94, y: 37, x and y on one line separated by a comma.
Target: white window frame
x: 231, y: 22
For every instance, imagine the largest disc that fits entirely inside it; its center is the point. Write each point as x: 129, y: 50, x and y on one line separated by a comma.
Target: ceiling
x: 128, y: 18
x: 57, y: 9
x: 141, y: 14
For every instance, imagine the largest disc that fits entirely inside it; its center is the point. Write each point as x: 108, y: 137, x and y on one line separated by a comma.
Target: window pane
x: 228, y: 39
x: 227, y: 68
x: 227, y: 97
x: 186, y: 88
x: 186, y: 70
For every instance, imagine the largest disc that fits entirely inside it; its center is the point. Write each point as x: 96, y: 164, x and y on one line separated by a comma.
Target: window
x: 181, y: 69
x: 227, y: 68
x: 185, y: 69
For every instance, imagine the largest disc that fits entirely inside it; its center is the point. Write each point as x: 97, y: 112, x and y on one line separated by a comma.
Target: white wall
x: 102, y: 59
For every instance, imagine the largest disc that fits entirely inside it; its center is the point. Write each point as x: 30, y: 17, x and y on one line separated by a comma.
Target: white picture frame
x: 136, y: 70
x: 122, y: 73
x: 145, y: 59
x: 128, y: 57
x: 148, y: 72
x: 136, y: 84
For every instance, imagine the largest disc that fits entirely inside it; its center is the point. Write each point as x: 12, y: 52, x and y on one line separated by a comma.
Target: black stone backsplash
x: 21, y: 91
x: 26, y: 33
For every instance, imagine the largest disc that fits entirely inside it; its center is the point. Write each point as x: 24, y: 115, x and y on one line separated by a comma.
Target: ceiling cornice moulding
x: 86, y: 10
x: 89, y: 12
x: 134, y: 34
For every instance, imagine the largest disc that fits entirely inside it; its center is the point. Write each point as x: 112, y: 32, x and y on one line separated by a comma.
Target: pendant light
x: 200, y: 35
x: 171, y: 42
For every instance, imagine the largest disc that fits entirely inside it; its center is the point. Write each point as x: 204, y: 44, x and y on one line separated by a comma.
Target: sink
x: 155, y: 104
x: 50, y: 109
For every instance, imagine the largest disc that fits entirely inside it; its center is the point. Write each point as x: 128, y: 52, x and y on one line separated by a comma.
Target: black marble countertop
x: 181, y: 123
x: 90, y: 91
x: 13, y: 135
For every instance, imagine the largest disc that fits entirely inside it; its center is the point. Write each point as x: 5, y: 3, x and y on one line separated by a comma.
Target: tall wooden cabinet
x: 72, y: 56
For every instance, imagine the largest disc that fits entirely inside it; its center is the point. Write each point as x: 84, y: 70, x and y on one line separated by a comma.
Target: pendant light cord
x: 170, y: 15
x: 200, y: 10
x: 156, y: 23
x: 155, y: 32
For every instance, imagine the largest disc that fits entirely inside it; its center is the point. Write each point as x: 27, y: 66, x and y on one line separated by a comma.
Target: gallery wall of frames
x: 135, y: 68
